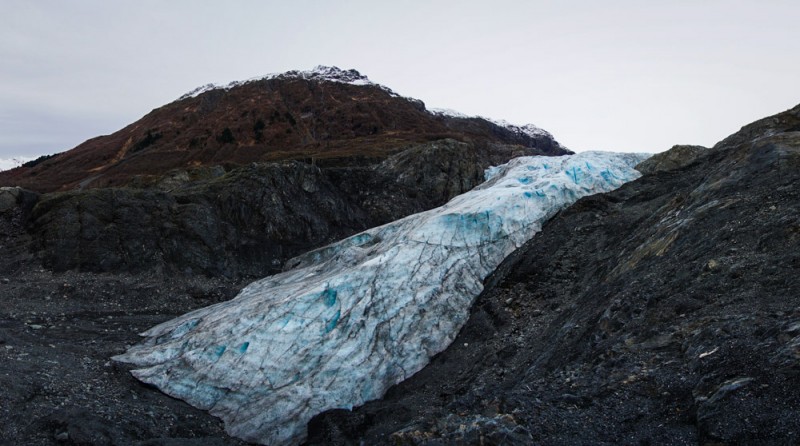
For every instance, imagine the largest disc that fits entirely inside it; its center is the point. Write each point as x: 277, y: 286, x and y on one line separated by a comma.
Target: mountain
x: 665, y: 312
x: 326, y: 116
x: 662, y: 312
x: 235, y: 180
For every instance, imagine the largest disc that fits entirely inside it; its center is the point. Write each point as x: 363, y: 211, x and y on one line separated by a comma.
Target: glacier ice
x: 349, y: 320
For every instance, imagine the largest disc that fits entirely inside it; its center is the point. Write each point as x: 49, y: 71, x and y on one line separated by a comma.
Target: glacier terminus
x: 347, y: 321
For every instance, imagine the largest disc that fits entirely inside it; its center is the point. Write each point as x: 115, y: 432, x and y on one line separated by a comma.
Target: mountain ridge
x: 325, y: 116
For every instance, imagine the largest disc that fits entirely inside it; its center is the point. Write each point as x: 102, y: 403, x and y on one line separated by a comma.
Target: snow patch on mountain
x: 349, y: 320
x: 318, y: 73
x: 449, y: 112
x: 527, y: 129
x: 10, y: 163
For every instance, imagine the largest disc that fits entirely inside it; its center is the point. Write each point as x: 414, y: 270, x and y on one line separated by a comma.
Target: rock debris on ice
x: 349, y: 320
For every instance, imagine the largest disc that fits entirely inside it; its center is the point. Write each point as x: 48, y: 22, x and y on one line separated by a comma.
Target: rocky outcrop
x: 15, y: 242
x: 674, y: 158
x: 786, y: 122
x: 663, y: 312
x: 16, y: 197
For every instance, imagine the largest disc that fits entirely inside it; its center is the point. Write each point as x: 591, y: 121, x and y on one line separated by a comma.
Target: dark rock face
x: 665, y: 312
x: 240, y: 223
x: 15, y: 242
x: 12, y: 198
x: 249, y: 221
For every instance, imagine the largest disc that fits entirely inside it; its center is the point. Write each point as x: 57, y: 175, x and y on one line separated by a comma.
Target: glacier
x: 349, y: 320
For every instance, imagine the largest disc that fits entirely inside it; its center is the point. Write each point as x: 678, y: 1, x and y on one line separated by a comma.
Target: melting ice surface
x: 353, y: 318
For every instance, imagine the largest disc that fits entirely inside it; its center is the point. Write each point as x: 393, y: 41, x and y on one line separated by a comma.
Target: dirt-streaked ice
x: 351, y: 319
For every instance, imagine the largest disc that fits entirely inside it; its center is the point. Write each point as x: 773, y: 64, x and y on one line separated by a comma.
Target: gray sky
x: 610, y: 75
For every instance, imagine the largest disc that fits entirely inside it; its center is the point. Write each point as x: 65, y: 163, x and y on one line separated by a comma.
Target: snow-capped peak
x: 330, y: 74
x: 526, y: 129
x: 318, y: 73
x: 450, y: 113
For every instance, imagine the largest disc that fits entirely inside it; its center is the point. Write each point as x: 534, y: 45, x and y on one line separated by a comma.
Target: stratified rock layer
x: 352, y: 319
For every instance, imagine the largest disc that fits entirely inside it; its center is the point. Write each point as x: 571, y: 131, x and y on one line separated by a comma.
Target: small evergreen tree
x: 226, y: 136
x: 258, y: 129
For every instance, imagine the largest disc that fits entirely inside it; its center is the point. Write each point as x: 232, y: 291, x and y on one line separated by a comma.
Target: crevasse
x: 353, y: 318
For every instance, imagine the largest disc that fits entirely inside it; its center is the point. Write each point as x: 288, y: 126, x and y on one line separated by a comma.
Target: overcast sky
x: 610, y: 75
